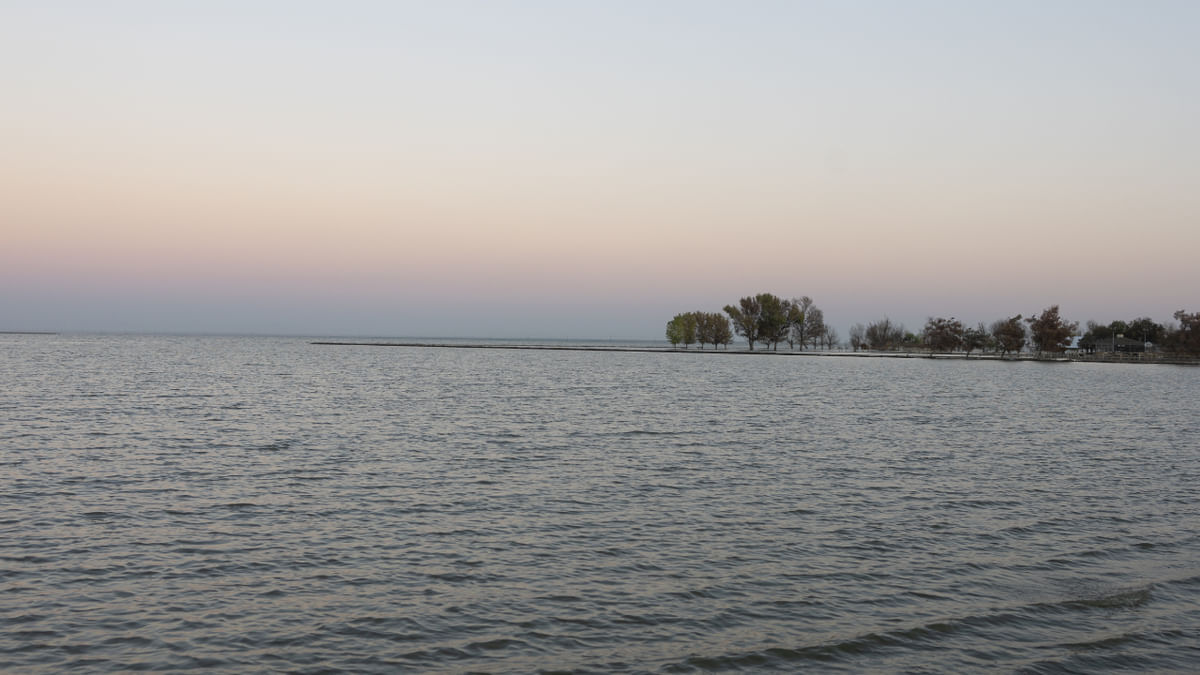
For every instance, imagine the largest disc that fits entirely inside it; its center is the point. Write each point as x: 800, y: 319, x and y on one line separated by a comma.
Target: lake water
x: 265, y: 504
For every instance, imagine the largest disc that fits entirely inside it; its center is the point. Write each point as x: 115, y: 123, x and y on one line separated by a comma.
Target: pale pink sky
x: 588, y: 170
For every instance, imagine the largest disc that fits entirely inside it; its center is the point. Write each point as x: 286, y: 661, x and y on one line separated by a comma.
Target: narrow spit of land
x: 536, y: 347
x: 673, y: 350
x: 1172, y: 359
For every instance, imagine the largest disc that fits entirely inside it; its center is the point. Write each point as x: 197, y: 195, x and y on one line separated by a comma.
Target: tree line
x: 703, y: 327
x: 764, y: 318
x: 768, y: 319
x: 1047, y: 332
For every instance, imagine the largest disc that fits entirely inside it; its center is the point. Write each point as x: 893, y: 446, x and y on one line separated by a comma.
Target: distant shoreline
x: 959, y: 356
x: 27, y: 332
x: 674, y: 350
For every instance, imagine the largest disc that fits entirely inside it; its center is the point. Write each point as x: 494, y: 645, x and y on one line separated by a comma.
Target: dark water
x: 258, y: 504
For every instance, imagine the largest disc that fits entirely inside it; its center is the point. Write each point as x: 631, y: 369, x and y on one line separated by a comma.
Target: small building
x: 1111, y: 344
x: 1120, y: 343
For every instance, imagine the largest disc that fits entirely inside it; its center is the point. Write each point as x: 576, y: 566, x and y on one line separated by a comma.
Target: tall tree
x: 745, y: 317
x: 884, y: 335
x: 795, y: 317
x: 943, y: 335
x: 682, y: 329
x: 814, y: 325
x: 858, y: 336
x: 1186, y: 336
x: 703, y: 334
x: 722, y: 334
x: 675, y: 331
x: 1096, y: 336
x: 1145, y: 329
x: 975, y: 338
x: 798, y: 321
x: 1009, y: 335
x: 712, y: 327
x: 689, y: 328
x: 829, y: 337
x: 773, y: 319
x: 1049, y: 332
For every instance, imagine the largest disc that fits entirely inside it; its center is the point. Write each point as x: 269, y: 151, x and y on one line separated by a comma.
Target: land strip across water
x: 1174, y: 359
x: 675, y: 350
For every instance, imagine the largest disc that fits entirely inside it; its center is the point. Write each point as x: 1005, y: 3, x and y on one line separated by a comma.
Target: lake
x: 266, y: 504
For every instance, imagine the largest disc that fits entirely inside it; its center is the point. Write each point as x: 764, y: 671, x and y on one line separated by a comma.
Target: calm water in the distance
x: 263, y: 504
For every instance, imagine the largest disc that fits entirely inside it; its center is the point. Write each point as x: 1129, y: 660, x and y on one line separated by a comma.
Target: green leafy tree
x: 722, y: 333
x: 745, y: 317
x: 682, y: 329
x: 703, y: 329
x: 773, y: 319
x: 1009, y: 335
x: 689, y: 329
x: 674, y: 332
x: 799, y: 322
x: 1049, y: 332
x: 814, y: 326
x: 713, y: 328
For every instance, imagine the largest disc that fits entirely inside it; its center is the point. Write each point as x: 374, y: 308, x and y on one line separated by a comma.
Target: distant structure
x: 1116, y: 344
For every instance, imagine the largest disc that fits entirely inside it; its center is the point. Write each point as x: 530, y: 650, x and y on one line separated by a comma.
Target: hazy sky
x: 588, y: 169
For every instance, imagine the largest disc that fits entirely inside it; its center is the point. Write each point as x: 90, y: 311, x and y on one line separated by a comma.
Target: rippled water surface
x: 263, y: 504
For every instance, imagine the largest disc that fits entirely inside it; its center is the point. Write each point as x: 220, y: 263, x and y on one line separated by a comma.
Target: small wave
x: 23, y: 618
x: 97, y: 515
x: 691, y: 595
x: 1111, y: 642
x: 437, y: 655
x: 496, y: 645
x: 34, y: 634
x: 921, y: 637
x: 1121, y: 599
x: 129, y: 640
x: 454, y: 577
x: 561, y: 598
x: 25, y: 558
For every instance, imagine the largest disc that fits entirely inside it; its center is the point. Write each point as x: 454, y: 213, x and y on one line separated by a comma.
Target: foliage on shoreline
x: 768, y: 319
x: 703, y: 327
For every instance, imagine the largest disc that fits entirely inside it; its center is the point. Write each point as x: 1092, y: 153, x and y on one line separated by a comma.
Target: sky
x: 589, y: 169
